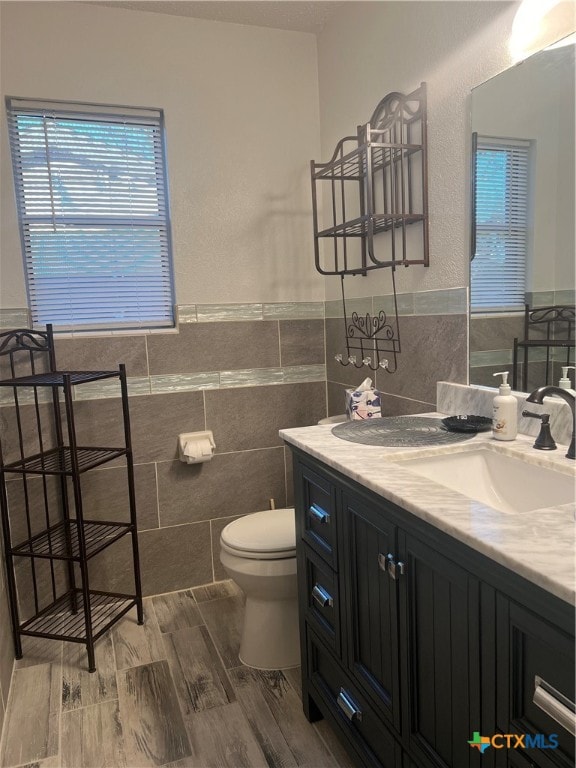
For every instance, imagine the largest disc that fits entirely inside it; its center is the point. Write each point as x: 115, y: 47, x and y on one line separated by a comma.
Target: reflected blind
x: 92, y: 204
x: 498, y: 270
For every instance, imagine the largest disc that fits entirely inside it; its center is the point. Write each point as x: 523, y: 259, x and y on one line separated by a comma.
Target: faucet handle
x: 544, y: 441
x: 544, y: 417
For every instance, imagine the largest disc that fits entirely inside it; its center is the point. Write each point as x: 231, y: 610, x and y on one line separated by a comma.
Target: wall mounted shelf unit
x: 374, y: 194
x: 48, y: 542
x: 375, y: 183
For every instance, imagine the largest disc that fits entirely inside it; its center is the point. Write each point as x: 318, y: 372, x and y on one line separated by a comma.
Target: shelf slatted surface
x: 59, y: 622
x: 353, y: 165
x: 382, y: 222
x: 564, y: 343
x: 60, y: 542
x: 58, y: 461
x: 56, y: 378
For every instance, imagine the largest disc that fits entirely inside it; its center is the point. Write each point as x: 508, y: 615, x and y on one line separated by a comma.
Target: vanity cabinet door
x: 535, y: 685
x: 371, y: 605
x: 439, y: 627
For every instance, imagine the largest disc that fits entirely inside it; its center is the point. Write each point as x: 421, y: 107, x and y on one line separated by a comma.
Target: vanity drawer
x: 319, y: 508
x: 538, y: 658
x: 347, y: 705
x: 322, y: 599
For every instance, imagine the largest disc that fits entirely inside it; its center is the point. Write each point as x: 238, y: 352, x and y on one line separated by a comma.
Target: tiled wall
x: 244, y: 379
x: 433, y: 334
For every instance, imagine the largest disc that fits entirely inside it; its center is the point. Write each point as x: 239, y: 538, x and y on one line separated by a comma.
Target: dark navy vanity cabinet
x: 413, y: 642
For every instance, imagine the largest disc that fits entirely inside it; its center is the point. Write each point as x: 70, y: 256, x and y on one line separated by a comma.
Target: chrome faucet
x: 538, y: 397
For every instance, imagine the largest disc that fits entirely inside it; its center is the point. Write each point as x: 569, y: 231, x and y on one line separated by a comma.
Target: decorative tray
x: 399, y: 432
x: 467, y: 423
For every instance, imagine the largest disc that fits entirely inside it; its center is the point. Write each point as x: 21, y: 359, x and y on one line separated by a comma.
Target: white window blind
x: 498, y: 269
x: 93, y: 209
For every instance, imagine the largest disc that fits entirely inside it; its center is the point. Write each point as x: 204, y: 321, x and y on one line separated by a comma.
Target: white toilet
x: 258, y: 552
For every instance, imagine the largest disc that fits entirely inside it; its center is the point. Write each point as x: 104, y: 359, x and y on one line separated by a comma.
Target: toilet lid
x: 271, y: 531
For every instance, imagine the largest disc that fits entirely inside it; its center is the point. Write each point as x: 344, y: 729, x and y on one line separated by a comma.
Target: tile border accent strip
x: 198, y: 313
x: 226, y: 313
x: 449, y: 301
x: 183, y: 382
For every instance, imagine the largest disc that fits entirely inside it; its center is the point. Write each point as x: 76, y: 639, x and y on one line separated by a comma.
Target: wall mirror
x: 523, y: 202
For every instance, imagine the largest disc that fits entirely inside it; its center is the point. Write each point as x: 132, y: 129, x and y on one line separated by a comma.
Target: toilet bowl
x: 258, y: 552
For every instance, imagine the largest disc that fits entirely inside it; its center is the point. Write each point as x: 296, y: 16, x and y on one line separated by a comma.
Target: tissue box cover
x: 363, y: 404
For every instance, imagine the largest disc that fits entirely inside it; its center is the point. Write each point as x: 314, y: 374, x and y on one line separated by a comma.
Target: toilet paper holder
x: 196, y: 447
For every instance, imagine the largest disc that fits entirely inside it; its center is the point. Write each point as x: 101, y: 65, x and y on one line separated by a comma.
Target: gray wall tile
x: 242, y: 419
x: 336, y: 399
x: 392, y: 405
x: 302, y: 342
x: 170, y: 558
x: 216, y: 527
x: 204, y: 347
x: 103, y: 354
x: 158, y: 420
x: 105, y: 495
x: 495, y: 332
x: 190, y: 493
x: 336, y: 344
x: 175, y: 558
x: 434, y: 348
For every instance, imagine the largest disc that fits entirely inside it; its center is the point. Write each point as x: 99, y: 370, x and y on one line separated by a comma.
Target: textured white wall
x: 370, y: 48
x: 241, y: 109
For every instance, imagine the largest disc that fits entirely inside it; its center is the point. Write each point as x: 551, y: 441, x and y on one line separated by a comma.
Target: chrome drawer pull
x: 555, y: 705
x: 319, y: 514
x: 347, y: 705
x: 322, y: 597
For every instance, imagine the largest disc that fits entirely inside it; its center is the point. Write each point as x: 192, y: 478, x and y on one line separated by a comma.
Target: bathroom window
x: 92, y: 202
x: 501, y: 206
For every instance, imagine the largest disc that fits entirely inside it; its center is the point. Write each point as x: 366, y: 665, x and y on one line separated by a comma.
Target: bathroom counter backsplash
x: 538, y: 545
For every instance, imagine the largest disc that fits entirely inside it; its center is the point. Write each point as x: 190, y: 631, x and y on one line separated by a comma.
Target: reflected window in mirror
x: 533, y: 102
x: 501, y: 224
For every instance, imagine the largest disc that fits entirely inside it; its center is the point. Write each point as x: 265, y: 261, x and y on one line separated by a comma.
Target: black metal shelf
x: 375, y: 183
x: 62, y: 621
x: 380, y: 222
x: 58, y: 378
x: 51, y: 517
x: 354, y: 164
x: 374, y: 194
x: 59, y: 461
x: 61, y: 541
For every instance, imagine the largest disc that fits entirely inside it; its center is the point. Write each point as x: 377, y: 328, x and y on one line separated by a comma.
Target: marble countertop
x: 538, y: 545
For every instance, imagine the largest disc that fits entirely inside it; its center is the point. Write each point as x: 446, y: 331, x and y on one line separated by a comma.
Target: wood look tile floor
x: 172, y: 693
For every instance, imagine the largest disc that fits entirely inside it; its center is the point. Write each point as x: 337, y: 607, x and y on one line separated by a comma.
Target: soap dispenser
x: 565, y: 382
x: 505, y: 411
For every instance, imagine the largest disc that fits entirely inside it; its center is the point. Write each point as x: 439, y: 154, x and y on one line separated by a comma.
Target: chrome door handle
x: 322, y: 597
x: 319, y: 514
x: 387, y: 563
x: 555, y: 704
x: 348, y: 706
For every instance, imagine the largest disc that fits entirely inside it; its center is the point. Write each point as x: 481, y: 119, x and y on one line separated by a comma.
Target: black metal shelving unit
x: 48, y: 526
x: 373, y: 195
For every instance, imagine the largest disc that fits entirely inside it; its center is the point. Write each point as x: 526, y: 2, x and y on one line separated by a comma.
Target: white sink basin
x: 504, y: 482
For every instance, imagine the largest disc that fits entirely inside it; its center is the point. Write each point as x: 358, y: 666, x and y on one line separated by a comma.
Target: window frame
x: 157, y: 227
x: 524, y: 151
